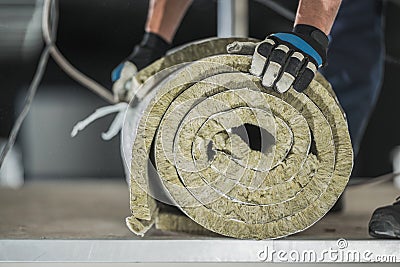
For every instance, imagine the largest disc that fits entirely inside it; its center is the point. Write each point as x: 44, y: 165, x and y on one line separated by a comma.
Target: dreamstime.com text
x: 339, y: 253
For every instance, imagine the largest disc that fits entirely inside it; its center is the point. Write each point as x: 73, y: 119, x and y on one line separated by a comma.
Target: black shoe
x: 385, y: 221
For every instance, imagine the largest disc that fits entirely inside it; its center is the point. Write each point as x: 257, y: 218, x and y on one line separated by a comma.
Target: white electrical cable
x: 28, y: 101
x: 50, y: 13
x: 33, y: 86
x: 63, y: 62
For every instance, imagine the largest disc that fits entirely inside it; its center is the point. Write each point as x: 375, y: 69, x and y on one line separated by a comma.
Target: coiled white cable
x: 64, y: 64
x: 50, y: 16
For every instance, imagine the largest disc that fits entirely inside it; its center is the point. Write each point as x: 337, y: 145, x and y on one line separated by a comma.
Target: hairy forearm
x: 318, y: 13
x: 164, y: 17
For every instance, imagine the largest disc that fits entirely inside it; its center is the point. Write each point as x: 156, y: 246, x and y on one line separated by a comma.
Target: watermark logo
x: 342, y: 243
x: 340, y: 252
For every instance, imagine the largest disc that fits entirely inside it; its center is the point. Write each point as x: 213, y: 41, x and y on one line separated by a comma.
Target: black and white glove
x: 150, y: 49
x: 287, y: 59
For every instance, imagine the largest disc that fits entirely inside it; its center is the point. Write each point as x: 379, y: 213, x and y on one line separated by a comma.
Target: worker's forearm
x: 318, y: 13
x: 164, y: 17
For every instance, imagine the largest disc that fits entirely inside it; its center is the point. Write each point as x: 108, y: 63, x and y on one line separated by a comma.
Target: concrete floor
x: 96, y: 209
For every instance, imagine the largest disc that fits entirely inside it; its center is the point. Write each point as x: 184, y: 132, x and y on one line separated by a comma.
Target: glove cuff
x: 315, y: 37
x: 154, y: 41
x: 150, y: 49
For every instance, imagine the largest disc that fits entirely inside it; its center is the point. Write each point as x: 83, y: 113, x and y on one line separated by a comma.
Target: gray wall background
x: 95, y: 36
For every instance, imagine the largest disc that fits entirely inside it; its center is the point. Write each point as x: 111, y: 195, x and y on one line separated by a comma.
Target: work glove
x: 150, y: 49
x: 286, y: 59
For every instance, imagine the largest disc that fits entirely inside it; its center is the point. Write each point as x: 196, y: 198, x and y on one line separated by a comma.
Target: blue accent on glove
x: 116, y: 73
x: 300, y: 44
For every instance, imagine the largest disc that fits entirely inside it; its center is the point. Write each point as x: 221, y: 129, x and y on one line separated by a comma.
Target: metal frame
x: 233, y: 18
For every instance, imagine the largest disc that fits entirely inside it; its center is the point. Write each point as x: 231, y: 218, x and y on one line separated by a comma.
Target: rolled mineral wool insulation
x: 184, y: 145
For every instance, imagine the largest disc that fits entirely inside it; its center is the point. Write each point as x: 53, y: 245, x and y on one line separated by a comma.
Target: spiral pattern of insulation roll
x: 192, y: 135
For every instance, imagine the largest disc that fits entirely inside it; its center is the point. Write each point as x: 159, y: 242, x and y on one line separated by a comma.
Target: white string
x: 116, y: 125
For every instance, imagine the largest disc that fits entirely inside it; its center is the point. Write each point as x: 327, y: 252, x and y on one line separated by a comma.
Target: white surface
x: 206, y: 250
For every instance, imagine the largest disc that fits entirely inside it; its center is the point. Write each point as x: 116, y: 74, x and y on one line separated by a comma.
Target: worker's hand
x: 286, y: 59
x: 150, y: 49
x: 123, y: 77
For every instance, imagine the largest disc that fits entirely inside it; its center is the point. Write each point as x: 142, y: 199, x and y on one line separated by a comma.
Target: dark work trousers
x: 356, y: 61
